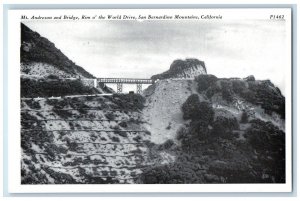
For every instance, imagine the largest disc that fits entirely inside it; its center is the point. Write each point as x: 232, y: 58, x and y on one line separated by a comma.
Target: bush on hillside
x: 194, y: 109
x: 167, y: 145
x: 46, y: 88
x: 33, y: 104
x: 238, y: 86
x: 263, y: 93
x: 211, y: 91
x: 227, y: 122
x: 227, y: 93
x: 269, y: 143
x: 174, y: 173
x: 199, y: 130
x: 233, y: 172
x: 205, y: 81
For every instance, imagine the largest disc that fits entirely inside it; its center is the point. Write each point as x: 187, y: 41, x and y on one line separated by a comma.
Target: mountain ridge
x: 38, y: 50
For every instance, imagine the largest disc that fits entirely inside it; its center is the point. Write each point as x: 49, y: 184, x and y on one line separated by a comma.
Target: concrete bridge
x: 120, y: 81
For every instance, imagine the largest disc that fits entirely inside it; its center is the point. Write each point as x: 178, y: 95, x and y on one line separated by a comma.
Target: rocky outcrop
x: 188, y: 68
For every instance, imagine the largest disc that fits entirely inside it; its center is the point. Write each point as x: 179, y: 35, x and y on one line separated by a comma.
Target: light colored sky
x: 142, y: 49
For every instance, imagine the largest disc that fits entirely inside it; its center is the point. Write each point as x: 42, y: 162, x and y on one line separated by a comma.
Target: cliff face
x: 40, y: 57
x: 188, y: 68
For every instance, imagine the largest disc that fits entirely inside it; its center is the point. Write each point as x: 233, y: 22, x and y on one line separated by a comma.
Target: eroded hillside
x: 216, y: 130
x: 83, y: 140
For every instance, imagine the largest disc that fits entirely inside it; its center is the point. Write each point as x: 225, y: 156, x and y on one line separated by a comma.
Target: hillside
x: 47, y: 72
x: 83, y: 140
x: 163, y: 107
x: 40, y: 57
x: 216, y: 130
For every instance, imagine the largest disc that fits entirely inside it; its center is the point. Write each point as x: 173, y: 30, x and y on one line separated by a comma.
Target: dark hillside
x: 46, y: 88
x: 35, y: 48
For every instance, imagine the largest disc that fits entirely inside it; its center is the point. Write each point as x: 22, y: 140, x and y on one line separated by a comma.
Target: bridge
x: 120, y: 81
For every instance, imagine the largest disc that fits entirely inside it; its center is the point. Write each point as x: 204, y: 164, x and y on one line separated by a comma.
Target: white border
x: 14, y: 148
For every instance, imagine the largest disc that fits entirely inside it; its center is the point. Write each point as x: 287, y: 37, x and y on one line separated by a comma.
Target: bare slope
x: 163, y: 107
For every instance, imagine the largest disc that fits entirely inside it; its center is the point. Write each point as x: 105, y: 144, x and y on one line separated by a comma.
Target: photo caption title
x: 123, y: 17
x: 138, y: 17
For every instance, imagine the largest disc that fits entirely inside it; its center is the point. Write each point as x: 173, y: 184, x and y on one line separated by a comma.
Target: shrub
x: 238, y: 86
x: 269, y: 142
x: 227, y: 93
x: 127, y: 101
x: 194, y: 109
x: 60, y: 178
x: 64, y: 114
x: 121, y: 133
x: 233, y: 172
x: 72, y: 146
x: 219, y: 130
x: 181, y: 172
x: 222, y: 127
x: 48, y: 88
x: 137, y: 138
x: 212, y: 91
x: 115, y: 139
x: 167, y: 145
x: 228, y: 123
x: 110, y: 116
x: 182, y: 133
x: 199, y: 130
x: 123, y: 124
x: 265, y: 94
x: 205, y: 81
x: 33, y: 104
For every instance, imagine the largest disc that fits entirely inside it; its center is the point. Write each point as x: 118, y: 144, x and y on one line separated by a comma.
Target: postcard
x: 150, y: 100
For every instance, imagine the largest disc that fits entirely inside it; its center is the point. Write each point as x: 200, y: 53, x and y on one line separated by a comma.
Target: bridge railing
x: 125, y: 80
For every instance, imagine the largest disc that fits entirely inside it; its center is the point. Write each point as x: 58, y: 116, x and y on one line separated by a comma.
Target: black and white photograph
x: 154, y: 98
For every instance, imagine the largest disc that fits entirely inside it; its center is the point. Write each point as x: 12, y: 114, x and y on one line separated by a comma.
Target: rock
x: 188, y: 68
x: 250, y: 78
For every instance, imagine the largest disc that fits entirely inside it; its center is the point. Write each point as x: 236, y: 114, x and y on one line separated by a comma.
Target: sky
x: 141, y: 49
